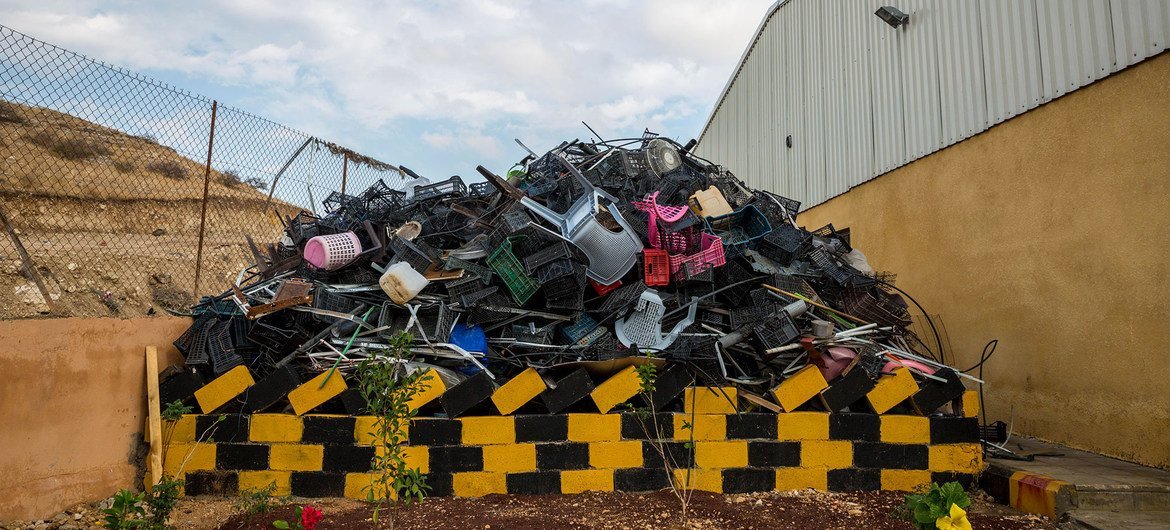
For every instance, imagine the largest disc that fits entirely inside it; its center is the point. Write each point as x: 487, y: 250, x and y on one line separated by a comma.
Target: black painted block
x: 855, y: 426
x: 347, y: 458
x: 933, y: 394
x: 542, y: 428
x: 442, y: 484
x: 773, y: 454
x: 222, y: 428
x: 635, y: 427
x: 329, y: 430
x: 271, y: 389
x: 965, y: 479
x: 534, y: 483
x: 557, y: 456
x: 890, y: 456
x: 455, y: 458
x: 315, y: 484
x: 640, y: 479
x: 241, y: 457
x: 219, y: 483
x: 954, y: 430
x: 751, y: 426
x: 470, y: 395
x: 748, y: 480
x: 855, y: 479
x: 846, y: 390
x: 435, y: 431
x: 567, y: 391
x: 352, y: 400
x: 668, y: 386
x: 678, y: 453
x: 181, y: 386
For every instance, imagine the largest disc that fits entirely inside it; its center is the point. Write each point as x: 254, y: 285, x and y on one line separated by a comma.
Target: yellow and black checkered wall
x: 329, y: 456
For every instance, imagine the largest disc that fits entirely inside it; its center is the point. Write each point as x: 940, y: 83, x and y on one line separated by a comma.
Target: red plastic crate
x: 656, y: 266
x: 603, y: 290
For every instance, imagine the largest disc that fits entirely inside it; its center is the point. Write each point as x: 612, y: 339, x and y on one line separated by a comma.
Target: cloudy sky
x: 437, y: 86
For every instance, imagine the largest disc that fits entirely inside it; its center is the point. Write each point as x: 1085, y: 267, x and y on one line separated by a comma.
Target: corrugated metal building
x: 859, y: 98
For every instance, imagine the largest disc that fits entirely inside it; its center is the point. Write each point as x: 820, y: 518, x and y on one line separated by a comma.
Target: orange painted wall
x: 1050, y: 232
x: 72, y: 408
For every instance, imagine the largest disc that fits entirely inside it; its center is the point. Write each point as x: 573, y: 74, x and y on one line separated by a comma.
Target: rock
x: 161, y: 278
x: 159, y: 232
x: 71, y: 266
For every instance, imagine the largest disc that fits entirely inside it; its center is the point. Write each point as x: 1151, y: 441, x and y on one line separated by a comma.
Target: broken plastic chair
x: 611, y: 254
x: 643, y: 326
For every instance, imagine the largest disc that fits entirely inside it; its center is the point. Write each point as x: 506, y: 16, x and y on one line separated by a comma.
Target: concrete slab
x: 1087, y: 471
x: 1112, y: 520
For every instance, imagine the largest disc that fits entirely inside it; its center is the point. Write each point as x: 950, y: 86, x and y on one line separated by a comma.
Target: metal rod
x: 344, y: 170
x: 284, y: 168
x: 825, y: 307
x: 203, y: 209
x: 26, y: 262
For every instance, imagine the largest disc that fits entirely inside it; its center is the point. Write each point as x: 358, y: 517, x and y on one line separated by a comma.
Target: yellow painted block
x: 519, y: 391
x: 276, y: 428
x: 416, y: 456
x: 832, y: 454
x: 718, y: 455
x: 616, y: 390
x: 607, y: 455
x: 359, y: 485
x: 310, y: 395
x: 699, y: 479
x: 478, y: 484
x: 956, y: 458
x: 891, y: 389
x: 1033, y: 493
x: 595, y: 427
x: 511, y: 458
x: 183, y: 431
x: 705, y: 427
x: 258, y: 480
x: 488, y: 430
x: 295, y: 457
x: 582, y: 480
x: 223, y: 389
x: 202, y: 458
x: 800, y: 387
x: 363, y: 429
x: 798, y: 478
x: 710, y: 400
x: 905, y: 429
x: 970, y: 404
x: 802, y: 426
x: 904, y: 479
x: 431, y: 387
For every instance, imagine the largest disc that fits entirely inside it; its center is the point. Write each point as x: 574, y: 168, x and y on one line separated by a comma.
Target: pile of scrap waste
x: 576, y: 265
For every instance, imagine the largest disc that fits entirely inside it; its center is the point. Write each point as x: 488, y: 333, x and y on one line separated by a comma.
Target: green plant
x: 260, y: 500
x: 126, y: 511
x: 160, y: 502
x: 939, y: 507
x: 168, y: 168
x: 388, y: 388
x: 307, y: 519
x: 682, y: 489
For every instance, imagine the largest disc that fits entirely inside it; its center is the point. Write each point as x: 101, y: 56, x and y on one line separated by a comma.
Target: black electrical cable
x: 988, y: 351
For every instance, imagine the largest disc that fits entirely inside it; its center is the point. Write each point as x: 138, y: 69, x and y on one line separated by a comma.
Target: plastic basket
x: 473, y: 298
x: 564, y: 292
x: 579, y: 328
x: 516, y: 279
x: 484, y: 274
x: 656, y: 267
x: 548, y: 254
x: 219, y: 347
x: 775, y: 206
x: 831, y: 233
x: 302, y: 227
x: 445, y: 188
x: 418, y: 254
x: 823, y: 261
x: 739, y: 230
x: 333, y: 251
x: 469, y: 283
x: 732, y: 274
x: 483, y: 314
x: 556, y: 269
x: 329, y: 300
x: 733, y: 189
x: 480, y: 189
x: 710, y: 254
x: 783, y: 244
x: 621, y: 298
x: 603, y: 290
x: 773, y: 332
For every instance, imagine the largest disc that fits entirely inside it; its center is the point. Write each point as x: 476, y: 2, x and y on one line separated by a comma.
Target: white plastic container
x: 402, y: 283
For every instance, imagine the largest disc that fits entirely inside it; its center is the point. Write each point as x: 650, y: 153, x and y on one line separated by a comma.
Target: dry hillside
x: 111, y: 221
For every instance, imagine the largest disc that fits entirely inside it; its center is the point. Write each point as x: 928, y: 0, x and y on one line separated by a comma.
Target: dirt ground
x: 793, y: 509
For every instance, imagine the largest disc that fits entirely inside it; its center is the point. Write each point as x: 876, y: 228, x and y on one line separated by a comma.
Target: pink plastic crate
x: 710, y: 254
x: 332, y: 251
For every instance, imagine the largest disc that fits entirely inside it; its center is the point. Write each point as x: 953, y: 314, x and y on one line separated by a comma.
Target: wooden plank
x: 154, y: 416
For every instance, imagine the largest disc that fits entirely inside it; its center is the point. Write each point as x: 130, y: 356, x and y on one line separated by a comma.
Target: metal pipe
x: 203, y: 209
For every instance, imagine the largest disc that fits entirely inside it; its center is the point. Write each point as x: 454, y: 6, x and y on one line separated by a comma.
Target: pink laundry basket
x: 332, y: 251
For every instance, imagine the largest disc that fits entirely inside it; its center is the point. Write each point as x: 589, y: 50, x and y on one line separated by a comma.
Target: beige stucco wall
x: 72, y: 403
x: 1050, y: 232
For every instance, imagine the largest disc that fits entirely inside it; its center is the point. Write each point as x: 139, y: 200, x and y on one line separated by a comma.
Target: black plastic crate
x: 827, y: 265
x: 548, y: 254
x: 329, y: 300
x: 730, y: 274
x: 773, y: 332
x: 555, y: 269
x: 219, y: 347
x: 622, y: 297
x: 784, y: 243
x: 446, y: 188
x: 419, y: 255
x: 481, y: 189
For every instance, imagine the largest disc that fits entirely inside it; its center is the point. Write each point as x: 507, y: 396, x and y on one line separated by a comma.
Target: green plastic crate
x: 516, y: 279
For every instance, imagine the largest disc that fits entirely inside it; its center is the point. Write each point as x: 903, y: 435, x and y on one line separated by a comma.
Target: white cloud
x: 483, y: 70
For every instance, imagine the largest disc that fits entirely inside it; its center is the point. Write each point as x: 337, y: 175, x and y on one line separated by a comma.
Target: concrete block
x: 802, y: 426
x: 223, y: 389
x: 567, y: 391
x: 511, y: 458
x: 710, y: 400
x: 595, y: 427
x: 582, y: 480
x: 470, y: 395
x: 799, y: 388
x: 316, y: 391
x: 618, y: 389
x: 518, y: 391
x: 561, y: 456
x: 534, y: 483
x: 297, y: 457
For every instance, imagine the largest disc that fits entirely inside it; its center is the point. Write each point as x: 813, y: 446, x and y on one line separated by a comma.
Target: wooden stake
x: 154, y: 416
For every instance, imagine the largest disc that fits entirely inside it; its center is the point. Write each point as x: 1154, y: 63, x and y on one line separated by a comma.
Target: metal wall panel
x: 859, y: 98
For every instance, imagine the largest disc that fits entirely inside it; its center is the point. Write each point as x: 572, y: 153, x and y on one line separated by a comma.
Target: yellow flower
x: 956, y: 521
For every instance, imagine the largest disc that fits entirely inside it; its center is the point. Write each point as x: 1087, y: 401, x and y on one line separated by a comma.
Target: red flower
x: 310, y: 516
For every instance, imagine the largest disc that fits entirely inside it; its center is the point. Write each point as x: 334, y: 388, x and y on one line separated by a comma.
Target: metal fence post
x: 344, y: 170
x: 203, y: 210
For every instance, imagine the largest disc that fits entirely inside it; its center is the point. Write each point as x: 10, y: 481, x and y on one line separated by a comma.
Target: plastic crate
x: 480, y: 189
x: 775, y: 206
x: 515, y: 278
x: 603, y: 290
x: 710, y: 254
x: 739, y: 230
x: 328, y: 300
x: 826, y: 264
x: 579, y: 328
x: 473, y: 298
x: 556, y: 269
x: 219, y: 347
x: 622, y: 298
x: 548, y: 254
x: 445, y: 188
x: 419, y: 255
x: 773, y: 332
x: 564, y: 292
x: 733, y: 189
x: 532, y: 334
x: 732, y: 274
x: 483, y: 314
x: 783, y: 244
x: 656, y: 267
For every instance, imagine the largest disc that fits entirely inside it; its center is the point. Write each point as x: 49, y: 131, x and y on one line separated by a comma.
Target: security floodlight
x: 892, y: 16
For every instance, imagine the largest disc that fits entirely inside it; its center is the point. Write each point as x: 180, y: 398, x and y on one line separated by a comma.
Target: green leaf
x: 282, y: 525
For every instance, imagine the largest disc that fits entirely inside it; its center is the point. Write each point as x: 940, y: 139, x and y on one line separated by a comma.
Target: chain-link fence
x: 120, y: 194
